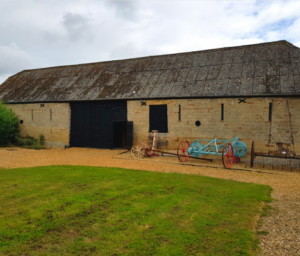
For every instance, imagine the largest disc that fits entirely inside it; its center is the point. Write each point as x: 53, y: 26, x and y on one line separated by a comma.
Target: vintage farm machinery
x: 231, y: 150
x: 283, y: 151
x: 141, y: 150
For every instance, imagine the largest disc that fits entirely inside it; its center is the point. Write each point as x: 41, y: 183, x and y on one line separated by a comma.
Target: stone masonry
x: 249, y: 121
x: 50, y: 119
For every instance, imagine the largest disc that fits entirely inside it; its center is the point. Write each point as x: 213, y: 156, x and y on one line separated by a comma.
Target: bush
x: 30, y: 142
x: 9, y: 125
x: 42, y: 140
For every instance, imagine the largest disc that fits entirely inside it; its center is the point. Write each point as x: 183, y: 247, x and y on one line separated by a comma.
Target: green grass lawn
x: 78, y: 210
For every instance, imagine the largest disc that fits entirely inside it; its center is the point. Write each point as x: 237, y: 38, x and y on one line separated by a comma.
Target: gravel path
x: 283, y: 225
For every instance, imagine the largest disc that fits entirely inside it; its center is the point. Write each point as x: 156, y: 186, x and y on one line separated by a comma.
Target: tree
x: 9, y: 125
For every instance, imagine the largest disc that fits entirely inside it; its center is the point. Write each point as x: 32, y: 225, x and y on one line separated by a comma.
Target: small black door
x: 119, y: 134
x: 129, y: 135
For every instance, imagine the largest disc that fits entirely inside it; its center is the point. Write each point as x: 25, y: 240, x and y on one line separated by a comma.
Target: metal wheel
x: 227, y: 155
x: 252, y: 154
x: 236, y: 159
x: 182, y: 149
x: 144, y: 145
x: 138, y: 151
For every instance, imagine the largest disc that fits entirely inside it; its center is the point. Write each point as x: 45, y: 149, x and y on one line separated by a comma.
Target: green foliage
x: 79, y: 210
x: 9, y: 125
x: 42, y: 140
x: 30, y: 142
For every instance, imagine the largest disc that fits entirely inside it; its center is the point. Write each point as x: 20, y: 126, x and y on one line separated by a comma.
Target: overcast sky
x: 43, y: 33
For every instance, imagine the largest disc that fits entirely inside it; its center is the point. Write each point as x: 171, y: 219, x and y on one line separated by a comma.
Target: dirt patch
x: 282, y: 226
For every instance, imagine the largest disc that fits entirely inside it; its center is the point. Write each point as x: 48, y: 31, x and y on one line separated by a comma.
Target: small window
x: 198, y: 123
x: 222, y: 112
x: 270, y: 112
x: 158, y: 118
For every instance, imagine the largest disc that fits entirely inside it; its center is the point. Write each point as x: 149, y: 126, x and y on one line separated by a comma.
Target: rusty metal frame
x: 274, y: 154
x: 290, y: 121
x: 168, y: 153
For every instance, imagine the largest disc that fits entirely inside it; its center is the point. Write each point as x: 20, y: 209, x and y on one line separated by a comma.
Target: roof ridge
x: 164, y: 55
x: 289, y: 44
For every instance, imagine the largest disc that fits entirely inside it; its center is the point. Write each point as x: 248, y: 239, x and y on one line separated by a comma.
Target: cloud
x: 297, y: 44
x: 53, y: 33
x: 13, y: 59
x: 77, y: 26
x: 125, y: 9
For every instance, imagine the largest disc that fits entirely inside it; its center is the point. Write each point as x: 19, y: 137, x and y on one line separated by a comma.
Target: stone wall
x: 249, y: 121
x: 50, y: 119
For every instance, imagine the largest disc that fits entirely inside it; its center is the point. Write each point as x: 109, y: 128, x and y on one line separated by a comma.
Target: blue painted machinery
x: 231, y: 150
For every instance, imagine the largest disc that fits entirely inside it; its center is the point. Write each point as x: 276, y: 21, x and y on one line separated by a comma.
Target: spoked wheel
x: 252, y: 154
x: 236, y: 159
x: 138, y: 151
x: 227, y: 155
x: 182, y: 151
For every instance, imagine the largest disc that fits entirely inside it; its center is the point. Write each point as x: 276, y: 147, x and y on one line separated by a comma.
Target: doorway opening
x: 119, y: 133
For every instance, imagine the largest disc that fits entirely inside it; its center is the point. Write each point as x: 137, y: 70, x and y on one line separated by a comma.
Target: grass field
x: 78, y: 210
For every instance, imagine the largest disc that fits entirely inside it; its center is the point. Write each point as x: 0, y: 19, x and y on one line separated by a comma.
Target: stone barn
x: 249, y: 91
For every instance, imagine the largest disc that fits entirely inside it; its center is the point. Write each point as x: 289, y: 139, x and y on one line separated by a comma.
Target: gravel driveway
x: 283, y: 225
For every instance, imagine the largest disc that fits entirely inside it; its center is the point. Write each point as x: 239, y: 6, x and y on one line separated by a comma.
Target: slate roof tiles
x: 251, y: 70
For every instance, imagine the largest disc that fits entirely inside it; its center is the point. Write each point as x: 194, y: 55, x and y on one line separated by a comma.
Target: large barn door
x: 80, y: 125
x: 101, y: 126
x: 92, y: 123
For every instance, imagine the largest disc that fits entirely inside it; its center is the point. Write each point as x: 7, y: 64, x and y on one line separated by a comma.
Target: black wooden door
x: 129, y: 135
x: 80, y: 125
x: 92, y: 123
x: 101, y: 126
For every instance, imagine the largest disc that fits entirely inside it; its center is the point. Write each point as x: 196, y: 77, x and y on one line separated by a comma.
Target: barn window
x: 158, y: 118
x: 179, y: 113
x: 222, y: 112
x: 270, y: 112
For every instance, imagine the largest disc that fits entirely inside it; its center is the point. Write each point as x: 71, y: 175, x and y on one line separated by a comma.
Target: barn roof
x: 252, y: 70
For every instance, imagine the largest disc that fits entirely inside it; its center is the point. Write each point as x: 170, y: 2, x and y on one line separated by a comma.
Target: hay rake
x: 231, y: 150
x: 141, y: 150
